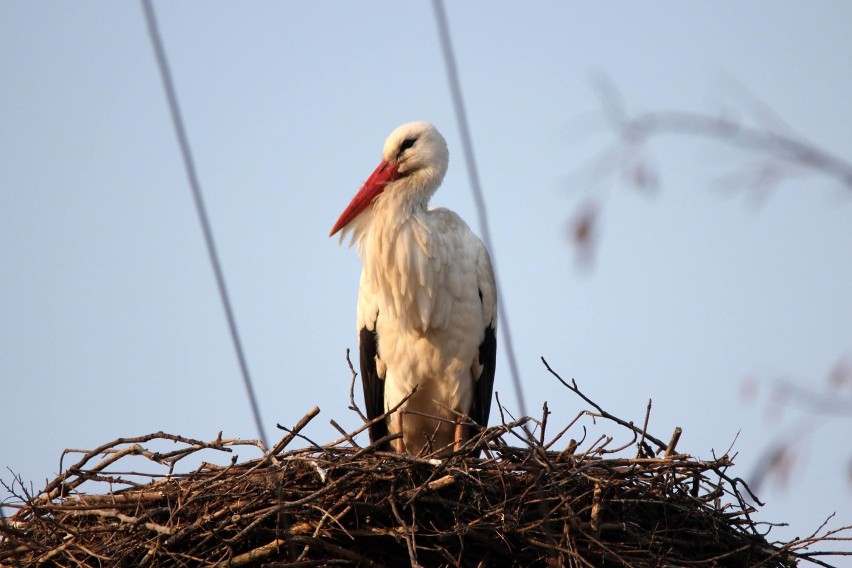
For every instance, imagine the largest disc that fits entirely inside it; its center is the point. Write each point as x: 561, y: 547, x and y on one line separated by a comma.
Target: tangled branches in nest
x: 521, y: 505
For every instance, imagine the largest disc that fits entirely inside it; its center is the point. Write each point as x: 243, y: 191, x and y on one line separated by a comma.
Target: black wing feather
x: 374, y: 387
x: 485, y: 385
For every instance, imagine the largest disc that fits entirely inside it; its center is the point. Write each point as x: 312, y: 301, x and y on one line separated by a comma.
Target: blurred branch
x: 821, y: 406
x: 765, y: 139
x: 822, y: 402
x: 640, y: 129
x: 782, y: 154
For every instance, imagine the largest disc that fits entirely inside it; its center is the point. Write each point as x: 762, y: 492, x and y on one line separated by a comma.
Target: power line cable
x: 189, y: 166
x: 476, y: 189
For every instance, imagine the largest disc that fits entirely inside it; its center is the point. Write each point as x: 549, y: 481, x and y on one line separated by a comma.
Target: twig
x: 292, y: 433
x: 673, y: 442
x: 603, y: 413
x: 352, y: 404
x: 644, y: 430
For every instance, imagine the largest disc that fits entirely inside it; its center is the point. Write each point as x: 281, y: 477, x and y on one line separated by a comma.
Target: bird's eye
x: 406, y: 144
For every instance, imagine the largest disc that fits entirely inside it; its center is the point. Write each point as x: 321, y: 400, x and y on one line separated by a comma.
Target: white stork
x: 427, y: 305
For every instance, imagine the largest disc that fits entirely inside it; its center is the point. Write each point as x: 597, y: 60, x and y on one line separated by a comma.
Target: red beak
x: 384, y: 174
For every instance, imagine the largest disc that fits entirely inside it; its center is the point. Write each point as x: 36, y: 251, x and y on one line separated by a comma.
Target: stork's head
x: 414, y: 161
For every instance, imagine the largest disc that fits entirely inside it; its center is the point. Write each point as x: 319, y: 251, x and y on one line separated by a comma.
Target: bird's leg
x: 399, y: 443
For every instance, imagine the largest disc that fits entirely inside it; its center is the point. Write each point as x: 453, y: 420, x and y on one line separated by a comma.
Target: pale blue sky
x: 110, y: 324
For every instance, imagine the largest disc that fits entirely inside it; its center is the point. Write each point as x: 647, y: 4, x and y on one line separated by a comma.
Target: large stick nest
x: 522, y: 505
